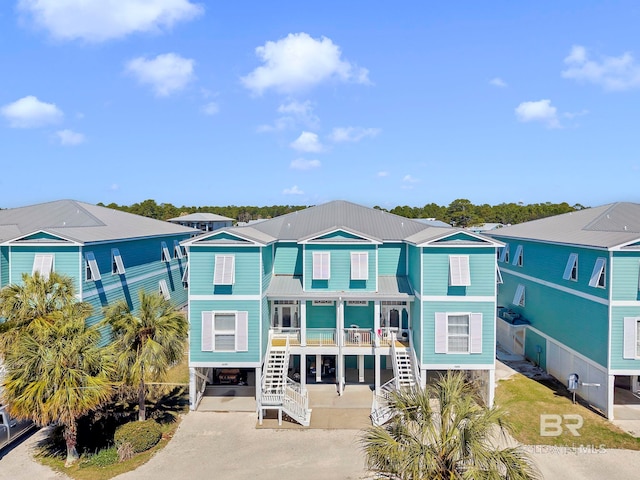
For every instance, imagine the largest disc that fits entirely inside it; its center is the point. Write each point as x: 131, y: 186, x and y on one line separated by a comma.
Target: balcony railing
x: 357, y: 337
x: 328, y: 337
x: 321, y: 337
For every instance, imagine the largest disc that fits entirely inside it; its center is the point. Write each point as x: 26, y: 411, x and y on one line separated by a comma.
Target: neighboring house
x: 338, y: 293
x: 207, y: 222
x: 109, y: 254
x: 485, y: 227
x: 573, y: 281
x: 432, y: 222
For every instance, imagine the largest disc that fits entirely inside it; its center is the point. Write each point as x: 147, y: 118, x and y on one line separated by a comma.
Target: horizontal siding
x: 417, y: 328
x: 267, y: 266
x: 4, y: 266
x: 625, y: 276
x: 414, y: 267
x: 66, y: 261
x: 533, y: 342
x: 248, y: 276
x: 617, y: 337
x: 195, y: 331
x: 288, y: 259
x: 321, y: 316
x: 361, y: 315
x: 482, y: 267
x: 488, y: 311
x: 392, y: 259
x: 340, y: 273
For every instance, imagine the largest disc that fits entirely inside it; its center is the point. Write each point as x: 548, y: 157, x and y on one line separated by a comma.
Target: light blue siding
x: 4, y: 266
x: 392, y: 259
x: 417, y: 328
x: 414, y: 267
x: 359, y: 315
x: 288, y: 259
x: 482, y: 266
x: 267, y: 266
x: 340, y: 278
x: 624, y: 278
x: 248, y: 276
x: 617, y: 338
x: 66, y: 261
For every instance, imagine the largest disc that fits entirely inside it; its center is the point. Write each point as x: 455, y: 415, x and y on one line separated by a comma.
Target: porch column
x: 376, y: 369
x: 610, y: 391
x: 492, y: 387
x: 303, y: 323
x: 318, y: 368
x: 423, y: 377
x: 342, y: 377
x: 361, y: 368
x: 259, y: 384
x: 634, y: 383
x: 303, y: 371
x: 376, y: 322
x: 340, y: 322
x: 192, y: 388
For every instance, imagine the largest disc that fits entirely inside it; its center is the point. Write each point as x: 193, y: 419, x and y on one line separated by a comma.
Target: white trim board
x: 224, y: 364
x: 456, y: 298
x: 458, y: 366
x: 570, y: 291
x: 225, y: 297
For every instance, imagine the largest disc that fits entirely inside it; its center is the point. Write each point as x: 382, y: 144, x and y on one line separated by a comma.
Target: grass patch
x: 89, y: 468
x: 525, y: 400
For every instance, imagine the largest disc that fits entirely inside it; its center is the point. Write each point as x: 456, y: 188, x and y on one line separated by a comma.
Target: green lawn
x: 526, y: 400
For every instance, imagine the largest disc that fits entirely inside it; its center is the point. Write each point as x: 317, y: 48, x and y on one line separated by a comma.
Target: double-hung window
x: 224, y: 270
x: 225, y: 331
x: 321, y: 266
x: 571, y: 269
x: 458, y: 332
x: 631, y: 333
x: 599, y: 274
x: 117, y: 265
x: 166, y: 255
x: 459, y: 274
x: 359, y: 265
x: 42, y: 264
x: 92, y: 272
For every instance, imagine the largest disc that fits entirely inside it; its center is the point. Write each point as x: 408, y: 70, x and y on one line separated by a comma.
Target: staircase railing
x: 272, y: 396
x: 296, y: 402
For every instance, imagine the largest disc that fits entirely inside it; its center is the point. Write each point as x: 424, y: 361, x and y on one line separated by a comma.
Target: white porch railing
x: 321, y: 337
x: 291, y: 334
x: 296, y: 402
x: 387, y: 337
x: 357, y: 337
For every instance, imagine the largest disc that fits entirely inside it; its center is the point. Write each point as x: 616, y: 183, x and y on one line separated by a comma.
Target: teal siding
x: 416, y: 328
x: 288, y: 259
x: 265, y: 323
x: 482, y: 266
x: 267, y: 266
x: 392, y: 259
x: 488, y: 333
x: 321, y: 316
x: 576, y: 322
x: 248, y: 276
x: 4, y: 266
x: 195, y: 331
x: 617, y: 337
x: 340, y: 235
x: 358, y: 315
x: 414, y: 267
x: 624, y: 278
x: 340, y: 272
x: 66, y: 261
x: 532, y: 343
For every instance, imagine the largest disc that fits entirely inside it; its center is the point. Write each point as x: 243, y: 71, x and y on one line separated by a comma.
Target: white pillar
x: 303, y: 370
x: 423, y: 377
x: 258, y: 384
x: 303, y: 323
x: 342, y: 377
x: 376, y: 369
x: 634, y: 383
x: 318, y: 368
x: 192, y: 388
x: 610, y: 391
x: 361, y: 368
x: 376, y: 322
x: 492, y: 387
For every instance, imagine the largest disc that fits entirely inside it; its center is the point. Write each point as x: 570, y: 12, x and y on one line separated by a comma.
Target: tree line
x: 460, y: 212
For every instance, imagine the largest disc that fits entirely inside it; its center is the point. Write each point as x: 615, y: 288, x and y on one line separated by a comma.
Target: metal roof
x: 82, y: 222
x: 201, y: 217
x: 607, y: 226
x: 389, y: 287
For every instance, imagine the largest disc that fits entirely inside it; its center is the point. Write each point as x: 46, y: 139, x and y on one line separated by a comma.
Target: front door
x: 285, y: 315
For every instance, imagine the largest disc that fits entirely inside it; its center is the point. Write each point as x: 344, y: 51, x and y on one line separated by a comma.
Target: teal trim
x: 340, y: 235
x: 461, y: 236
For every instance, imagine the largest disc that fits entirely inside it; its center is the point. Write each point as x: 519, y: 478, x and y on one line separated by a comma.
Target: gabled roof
x: 339, y: 214
x: 338, y: 235
x: 231, y: 236
x: 607, y: 226
x: 82, y: 223
x: 201, y: 217
x: 437, y: 236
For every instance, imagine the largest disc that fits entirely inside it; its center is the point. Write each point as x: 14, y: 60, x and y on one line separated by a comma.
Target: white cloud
x: 410, y: 179
x: 29, y: 112
x: 498, y: 82
x: 612, y: 73
x: 114, y: 186
x: 540, y: 111
x: 100, y: 20
x: 383, y: 174
x: 69, y: 137
x: 211, y: 108
x: 298, y: 62
x: 307, y: 142
x: 293, y: 191
x: 304, y: 164
x: 294, y: 114
x: 167, y: 73
x: 352, y: 134
x: 572, y: 115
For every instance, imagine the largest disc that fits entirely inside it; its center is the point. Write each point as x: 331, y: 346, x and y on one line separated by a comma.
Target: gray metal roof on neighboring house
x: 432, y: 222
x: 371, y: 222
x: 389, y: 287
x: 82, y: 222
x: 606, y: 226
x: 201, y: 217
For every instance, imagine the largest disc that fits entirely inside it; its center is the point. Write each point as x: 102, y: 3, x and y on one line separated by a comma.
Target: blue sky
x: 261, y: 103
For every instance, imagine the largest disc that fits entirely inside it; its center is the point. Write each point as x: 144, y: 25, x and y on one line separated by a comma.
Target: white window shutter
x: 185, y: 275
x: 441, y: 332
x: 224, y: 270
x: 597, y: 271
x: 321, y: 266
x: 242, y: 331
x: 164, y: 289
x: 630, y: 338
x: 573, y: 258
x: 207, y: 331
x: 516, y: 257
x: 475, y: 333
x: 93, y: 266
x: 177, y: 249
x: 518, y: 298
x: 459, y: 274
x: 498, y: 275
x: 359, y: 265
x: 504, y: 253
x: 43, y: 264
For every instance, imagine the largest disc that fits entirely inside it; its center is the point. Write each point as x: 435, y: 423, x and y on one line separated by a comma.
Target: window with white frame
x: 166, y: 255
x: 164, y: 289
x: 177, y: 250
x: 359, y: 265
x: 518, y: 298
x: 571, y: 268
x: 518, y: 258
x: 459, y: 274
x: 185, y: 277
x: 504, y: 254
x: 321, y: 266
x: 599, y: 274
x: 92, y: 272
x: 458, y: 332
x: 117, y: 265
x: 224, y: 270
x: 225, y: 331
x: 631, y: 347
x: 42, y: 264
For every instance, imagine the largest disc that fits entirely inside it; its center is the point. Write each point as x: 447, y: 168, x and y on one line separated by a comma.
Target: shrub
x: 125, y: 451
x: 103, y: 458
x: 140, y: 435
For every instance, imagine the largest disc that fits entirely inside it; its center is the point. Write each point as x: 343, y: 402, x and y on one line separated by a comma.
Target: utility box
x: 573, y: 381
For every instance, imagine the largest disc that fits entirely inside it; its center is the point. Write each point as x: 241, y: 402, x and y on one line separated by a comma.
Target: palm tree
x: 147, y: 343
x: 56, y: 371
x: 444, y: 432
